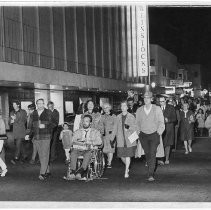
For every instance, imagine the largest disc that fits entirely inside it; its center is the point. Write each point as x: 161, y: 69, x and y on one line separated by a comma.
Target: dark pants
x: 54, y: 138
x: 43, y: 148
x: 150, y: 143
x: 20, y: 148
x: 87, y: 154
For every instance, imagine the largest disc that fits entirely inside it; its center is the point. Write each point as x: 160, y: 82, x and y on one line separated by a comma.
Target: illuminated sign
x: 142, y: 40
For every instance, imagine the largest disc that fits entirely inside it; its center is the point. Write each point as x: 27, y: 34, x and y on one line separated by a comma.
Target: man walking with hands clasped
x: 150, y: 126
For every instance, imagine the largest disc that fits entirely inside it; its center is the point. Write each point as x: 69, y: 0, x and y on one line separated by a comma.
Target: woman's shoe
x: 186, y: 152
x: 127, y: 174
x: 3, y: 173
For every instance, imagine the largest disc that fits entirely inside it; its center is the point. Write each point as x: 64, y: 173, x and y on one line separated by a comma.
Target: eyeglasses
x: 162, y: 101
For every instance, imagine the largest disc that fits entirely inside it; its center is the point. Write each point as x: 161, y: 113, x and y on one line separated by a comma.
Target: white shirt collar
x: 147, y: 111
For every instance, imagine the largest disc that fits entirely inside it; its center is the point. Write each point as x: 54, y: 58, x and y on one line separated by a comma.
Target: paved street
x: 187, y: 178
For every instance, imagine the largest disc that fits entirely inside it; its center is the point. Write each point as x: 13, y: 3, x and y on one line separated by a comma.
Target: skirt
x: 126, y: 151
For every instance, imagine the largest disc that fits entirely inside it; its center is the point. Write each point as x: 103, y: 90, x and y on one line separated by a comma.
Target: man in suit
x: 168, y: 135
x: 83, y: 140
x: 132, y: 106
x: 55, y: 134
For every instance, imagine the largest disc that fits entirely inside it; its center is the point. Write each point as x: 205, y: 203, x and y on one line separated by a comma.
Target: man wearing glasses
x: 168, y: 135
x: 150, y: 126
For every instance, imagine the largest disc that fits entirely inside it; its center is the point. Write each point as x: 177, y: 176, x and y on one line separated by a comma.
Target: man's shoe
x: 166, y: 162
x: 69, y: 177
x: 109, y: 166
x: 160, y: 163
x: 151, y: 179
x: 78, y: 176
x: 42, y: 177
x: 32, y: 162
x: 3, y: 173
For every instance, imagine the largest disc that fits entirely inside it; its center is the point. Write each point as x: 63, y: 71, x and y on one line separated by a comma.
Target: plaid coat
x: 46, y: 119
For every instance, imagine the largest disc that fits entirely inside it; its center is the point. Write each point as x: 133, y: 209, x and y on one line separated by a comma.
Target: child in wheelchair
x: 84, y: 140
x: 66, y: 137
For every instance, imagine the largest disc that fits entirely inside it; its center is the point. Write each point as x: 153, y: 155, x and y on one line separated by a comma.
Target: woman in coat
x: 109, y: 122
x: 96, y: 116
x: 186, y: 127
x: 125, y: 126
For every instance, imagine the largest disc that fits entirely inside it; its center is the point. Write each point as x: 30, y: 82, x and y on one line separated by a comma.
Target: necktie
x: 86, y: 133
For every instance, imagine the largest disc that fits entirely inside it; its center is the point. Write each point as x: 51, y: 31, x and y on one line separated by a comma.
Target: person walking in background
x: 66, y: 137
x: 150, y: 126
x: 18, y: 118
x: 125, y: 126
x: 200, y: 117
x: 41, y: 129
x: 109, y: 122
x: 78, y: 115
x: 96, y: 116
x: 169, y: 119
x: 186, y: 127
x: 208, y: 123
x: 3, y: 137
x: 31, y: 109
x: 132, y: 106
x: 55, y: 133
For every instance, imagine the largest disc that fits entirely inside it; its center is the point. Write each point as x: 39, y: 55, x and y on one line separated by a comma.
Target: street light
x: 153, y: 84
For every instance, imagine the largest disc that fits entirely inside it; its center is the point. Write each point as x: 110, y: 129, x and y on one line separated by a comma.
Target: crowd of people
x: 149, y: 126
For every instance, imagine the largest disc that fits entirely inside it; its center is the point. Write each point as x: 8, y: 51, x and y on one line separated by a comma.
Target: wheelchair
x: 96, y: 167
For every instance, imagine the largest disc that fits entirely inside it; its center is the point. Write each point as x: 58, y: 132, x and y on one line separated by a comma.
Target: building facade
x: 163, y: 65
x: 67, y: 55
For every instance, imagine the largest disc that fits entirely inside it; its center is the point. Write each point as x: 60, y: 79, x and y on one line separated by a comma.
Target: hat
x: 148, y: 94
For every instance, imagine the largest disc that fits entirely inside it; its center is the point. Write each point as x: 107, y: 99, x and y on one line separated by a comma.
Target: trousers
x: 150, y: 143
x: 20, y: 148
x: 43, y: 149
x: 86, y: 158
x: 53, y: 145
x: 2, y: 156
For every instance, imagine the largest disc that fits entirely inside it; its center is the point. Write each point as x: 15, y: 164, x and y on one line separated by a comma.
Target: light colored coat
x: 118, y: 131
x: 94, y: 136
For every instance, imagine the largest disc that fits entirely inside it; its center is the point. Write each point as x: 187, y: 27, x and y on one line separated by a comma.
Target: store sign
x: 177, y: 82
x: 152, y: 70
x: 142, y: 40
x: 169, y: 90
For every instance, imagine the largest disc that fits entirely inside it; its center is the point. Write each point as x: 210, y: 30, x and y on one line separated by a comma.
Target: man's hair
x: 50, y: 103
x: 40, y: 99
x: 89, y: 116
x: 17, y: 102
x: 31, y: 106
x: 130, y: 99
x: 124, y: 102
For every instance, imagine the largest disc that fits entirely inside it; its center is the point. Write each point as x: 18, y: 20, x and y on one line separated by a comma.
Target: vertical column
x: 94, y: 43
x: 21, y: 54
x: 85, y: 42
x: 65, y: 41
x: 110, y: 53
x: 52, y: 39
x: 38, y: 34
x: 129, y: 47
x: 101, y: 14
x: 75, y: 35
x: 2, y: 33
x: 123, y: 45
x: 117, y: 43
x: 133, y: 40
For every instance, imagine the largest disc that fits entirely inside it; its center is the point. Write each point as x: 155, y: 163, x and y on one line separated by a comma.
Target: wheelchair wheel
x: 100, y: 165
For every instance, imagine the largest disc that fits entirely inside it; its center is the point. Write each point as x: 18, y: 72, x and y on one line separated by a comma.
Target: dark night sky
x: 184, y: 31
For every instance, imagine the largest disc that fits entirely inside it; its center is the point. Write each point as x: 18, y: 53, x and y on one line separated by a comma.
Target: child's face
x: 66, y: 127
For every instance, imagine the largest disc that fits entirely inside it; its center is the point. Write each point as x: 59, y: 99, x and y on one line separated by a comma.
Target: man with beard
x: 83, y: 140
